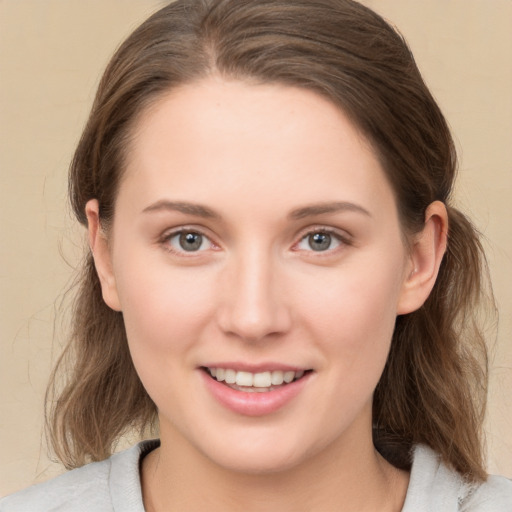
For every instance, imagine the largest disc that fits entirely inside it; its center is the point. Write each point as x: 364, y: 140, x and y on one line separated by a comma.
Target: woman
x: 276, y: 275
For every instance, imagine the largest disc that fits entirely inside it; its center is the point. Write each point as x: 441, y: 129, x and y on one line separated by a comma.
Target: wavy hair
x: 433, y: 389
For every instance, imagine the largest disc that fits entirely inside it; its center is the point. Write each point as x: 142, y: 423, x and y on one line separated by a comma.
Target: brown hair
x: 433, y: 388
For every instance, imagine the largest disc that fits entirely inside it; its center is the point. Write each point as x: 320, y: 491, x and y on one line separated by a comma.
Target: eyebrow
x: 330, y: 207
x: 297, y: 214
x: 182, y: 207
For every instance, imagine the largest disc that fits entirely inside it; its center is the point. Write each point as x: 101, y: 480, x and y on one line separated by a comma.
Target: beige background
x: 51, y: 56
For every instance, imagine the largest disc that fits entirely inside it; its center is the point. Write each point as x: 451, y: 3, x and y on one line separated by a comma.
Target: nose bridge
x: 255, y: 304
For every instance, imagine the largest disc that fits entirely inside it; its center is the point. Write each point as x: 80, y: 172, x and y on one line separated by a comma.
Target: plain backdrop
x: 52, y: 53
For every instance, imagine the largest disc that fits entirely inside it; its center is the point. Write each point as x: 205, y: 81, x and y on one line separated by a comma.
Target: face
x: 256, y: 242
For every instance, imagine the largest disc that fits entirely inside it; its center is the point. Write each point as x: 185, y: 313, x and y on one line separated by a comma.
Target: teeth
x: 288, y: 377
x: 256, y: 380
x: 230, y: 376
x: 244, y: 379
x: 262, y: 380
x: 277, y: 378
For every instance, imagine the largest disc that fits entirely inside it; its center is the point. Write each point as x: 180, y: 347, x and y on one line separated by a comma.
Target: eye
x: 319, y: 241
x: 188, y: 241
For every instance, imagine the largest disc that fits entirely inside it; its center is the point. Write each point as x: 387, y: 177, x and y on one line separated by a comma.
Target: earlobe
x: 101, y: 253
x: 426, y: 255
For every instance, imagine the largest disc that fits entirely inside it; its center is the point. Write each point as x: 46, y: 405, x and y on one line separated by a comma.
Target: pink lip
x: 253, y: 404
x: 254, y: 368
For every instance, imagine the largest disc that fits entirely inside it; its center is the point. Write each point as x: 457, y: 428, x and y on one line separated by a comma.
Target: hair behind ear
x: 102, y: 396
x: 434, y: 387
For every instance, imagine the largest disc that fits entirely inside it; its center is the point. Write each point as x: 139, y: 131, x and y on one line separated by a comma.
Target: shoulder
x: 434, y: 487
x: 70, y: 491
x: 494, y: 495
x: 109, y: 485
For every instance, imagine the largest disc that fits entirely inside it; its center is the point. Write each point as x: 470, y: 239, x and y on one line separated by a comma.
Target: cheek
x: 163, y: 307
x: 165, y: 312
x: 354, y: 311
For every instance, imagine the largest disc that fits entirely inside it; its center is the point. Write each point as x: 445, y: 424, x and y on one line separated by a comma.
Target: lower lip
x: 254, y: 404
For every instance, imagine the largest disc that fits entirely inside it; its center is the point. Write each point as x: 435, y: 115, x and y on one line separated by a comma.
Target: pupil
x: 190, y: 241
x: 320, y: 241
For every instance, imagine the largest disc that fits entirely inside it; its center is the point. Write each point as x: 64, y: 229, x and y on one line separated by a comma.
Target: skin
x: 256, y: 156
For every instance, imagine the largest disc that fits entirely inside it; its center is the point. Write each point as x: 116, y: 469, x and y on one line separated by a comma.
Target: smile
x: 254, y: 393
x: 254, y: 382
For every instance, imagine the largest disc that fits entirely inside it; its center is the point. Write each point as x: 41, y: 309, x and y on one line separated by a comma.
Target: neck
x: 345, y: 476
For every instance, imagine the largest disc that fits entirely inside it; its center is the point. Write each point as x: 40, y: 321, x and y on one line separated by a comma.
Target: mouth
x: 261, y: 382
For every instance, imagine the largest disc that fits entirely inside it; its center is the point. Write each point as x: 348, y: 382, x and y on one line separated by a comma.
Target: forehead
x: 212, y: 109
x: 216, y: 137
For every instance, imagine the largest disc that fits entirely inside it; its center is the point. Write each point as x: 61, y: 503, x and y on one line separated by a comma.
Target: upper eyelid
x: 169, y: 233
x: 339, y: 233
x: 343, y: 239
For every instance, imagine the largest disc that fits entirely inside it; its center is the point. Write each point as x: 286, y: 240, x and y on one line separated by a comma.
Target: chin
x: 259, y: 454
x: 262, y: 463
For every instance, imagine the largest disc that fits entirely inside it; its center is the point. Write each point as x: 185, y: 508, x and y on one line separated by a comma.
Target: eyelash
x: 165, y: 240
x: 343, y: 240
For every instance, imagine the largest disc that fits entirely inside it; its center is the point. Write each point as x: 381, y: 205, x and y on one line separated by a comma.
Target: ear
x: 425, y: 258
x: 102, y: 257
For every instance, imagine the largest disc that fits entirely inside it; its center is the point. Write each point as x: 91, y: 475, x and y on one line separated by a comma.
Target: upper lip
x: 255, y: 368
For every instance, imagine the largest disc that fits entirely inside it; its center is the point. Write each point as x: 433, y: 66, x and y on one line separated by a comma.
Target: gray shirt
x: 113, y: 485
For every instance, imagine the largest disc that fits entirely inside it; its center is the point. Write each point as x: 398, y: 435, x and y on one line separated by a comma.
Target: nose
x: 254, y: 305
